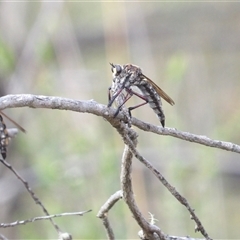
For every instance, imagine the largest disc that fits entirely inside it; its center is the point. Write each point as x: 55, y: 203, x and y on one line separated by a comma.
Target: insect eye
x: 116, y: 69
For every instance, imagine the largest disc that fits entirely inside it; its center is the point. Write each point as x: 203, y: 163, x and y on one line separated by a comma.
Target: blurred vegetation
x: 72, y: 161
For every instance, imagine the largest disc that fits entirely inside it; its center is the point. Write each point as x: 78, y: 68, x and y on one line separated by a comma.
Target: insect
x: 5, y: 135
x: 127, y: 76
x: 4, y: 138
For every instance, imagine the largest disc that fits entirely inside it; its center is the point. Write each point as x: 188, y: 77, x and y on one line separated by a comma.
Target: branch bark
x: 103, y: 213
x: 47, y: 217
x: 130, y: 145
x: 149, y: 230
x: 90, y: 106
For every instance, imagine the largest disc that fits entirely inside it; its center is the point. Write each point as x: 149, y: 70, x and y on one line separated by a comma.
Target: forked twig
x: 33, y: 195
x: 150, y: 231
x: 28, y: 100
x: 128, y: 141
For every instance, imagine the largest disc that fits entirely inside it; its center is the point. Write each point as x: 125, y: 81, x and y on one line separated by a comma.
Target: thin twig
x: 33, y: 195
x: 190, y: 137
x: 103, y: 213
x: 39, y: 101
x: 31, y: 220
x: 109, y: 203
x: 108, y: 228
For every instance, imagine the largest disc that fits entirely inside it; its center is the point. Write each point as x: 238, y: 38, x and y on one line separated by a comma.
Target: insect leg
x: 127, y: 97
x: 131, y: 92
x: 109, y: 93
x: 114, y: 96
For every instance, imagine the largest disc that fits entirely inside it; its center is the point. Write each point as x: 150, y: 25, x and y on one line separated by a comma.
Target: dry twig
x: 39, y: 101
x: 31, y: 220
x: 32, y: 194
x: 149, y: 231
x: 103, y: 213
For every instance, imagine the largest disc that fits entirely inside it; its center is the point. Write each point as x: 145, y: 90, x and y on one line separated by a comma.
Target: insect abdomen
x: 153, y: 99
x: 4, y: 139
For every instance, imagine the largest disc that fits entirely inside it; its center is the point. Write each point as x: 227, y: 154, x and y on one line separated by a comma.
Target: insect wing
x: 16, y: 124
x: 160, y: 91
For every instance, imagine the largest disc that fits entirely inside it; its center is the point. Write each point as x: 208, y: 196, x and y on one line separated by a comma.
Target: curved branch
x: 150, y: 231
x: 90, y: 106
x: 162, y: 179
x: 103, y: 213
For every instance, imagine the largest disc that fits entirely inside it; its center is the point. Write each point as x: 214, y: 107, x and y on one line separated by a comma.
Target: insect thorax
x: 129, y: 76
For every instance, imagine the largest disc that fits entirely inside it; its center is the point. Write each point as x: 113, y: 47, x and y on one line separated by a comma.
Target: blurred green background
x: 72, y: 161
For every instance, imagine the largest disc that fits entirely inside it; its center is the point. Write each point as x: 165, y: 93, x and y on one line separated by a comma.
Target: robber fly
x: 4, y: 134
x: 127, y: 76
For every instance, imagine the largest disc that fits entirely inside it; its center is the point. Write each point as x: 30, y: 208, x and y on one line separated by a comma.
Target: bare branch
x: 33, y: 101
x: 108, y: 228
x: 32, y: 194
x: 172, y: 190
x: 150, y: 231
x: 109, y: 203
x: 190, y: 137
x: 22, y: 222
x: 38, y: 101
x: 103, y: 212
